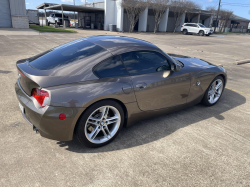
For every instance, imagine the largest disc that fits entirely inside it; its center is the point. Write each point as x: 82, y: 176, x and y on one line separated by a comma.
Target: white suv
x: 196, y: 28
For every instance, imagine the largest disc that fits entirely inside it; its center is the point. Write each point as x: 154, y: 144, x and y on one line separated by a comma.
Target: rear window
x: 65, y: 54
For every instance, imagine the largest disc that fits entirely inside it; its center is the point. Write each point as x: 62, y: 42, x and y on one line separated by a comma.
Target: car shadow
x: 156, y: 128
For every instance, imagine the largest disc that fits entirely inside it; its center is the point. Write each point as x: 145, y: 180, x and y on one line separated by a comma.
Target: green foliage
x: 49, y: 29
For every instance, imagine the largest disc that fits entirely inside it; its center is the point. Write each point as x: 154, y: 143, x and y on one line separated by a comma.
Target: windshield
x: 201, y: 25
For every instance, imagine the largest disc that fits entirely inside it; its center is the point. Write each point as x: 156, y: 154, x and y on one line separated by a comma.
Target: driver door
x: 155, y: 85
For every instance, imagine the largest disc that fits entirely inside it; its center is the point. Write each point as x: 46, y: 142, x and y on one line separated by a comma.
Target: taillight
x: 182, y: 26
x: 41, y: 96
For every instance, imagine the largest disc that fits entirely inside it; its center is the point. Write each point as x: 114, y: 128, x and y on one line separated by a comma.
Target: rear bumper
x: 46, y: 119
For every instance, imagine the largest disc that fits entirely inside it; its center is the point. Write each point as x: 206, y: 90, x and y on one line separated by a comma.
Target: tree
x: 225, y: 16
x: 179, y: 8
x: 134, y: 8
x: 190, y: 8
x: 159, y: 8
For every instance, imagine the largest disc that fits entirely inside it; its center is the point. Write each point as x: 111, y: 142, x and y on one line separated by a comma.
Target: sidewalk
x: 12, y: 31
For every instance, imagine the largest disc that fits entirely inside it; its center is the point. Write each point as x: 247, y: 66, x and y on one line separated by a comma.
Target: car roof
x: 192, y: 23
x: 122, y: 43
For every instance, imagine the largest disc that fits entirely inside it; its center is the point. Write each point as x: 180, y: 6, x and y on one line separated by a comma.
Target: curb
x: 242, y: 62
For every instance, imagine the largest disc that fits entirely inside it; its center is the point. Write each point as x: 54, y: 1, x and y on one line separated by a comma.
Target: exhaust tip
x: 35, y: 129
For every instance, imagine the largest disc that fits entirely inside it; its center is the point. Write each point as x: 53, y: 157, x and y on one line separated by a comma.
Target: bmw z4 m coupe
x: 94, y: 86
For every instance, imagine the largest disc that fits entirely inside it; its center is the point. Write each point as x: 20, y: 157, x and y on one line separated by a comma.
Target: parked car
x: 56, y: 18
x: 196, y: 28
x: 94, y: 86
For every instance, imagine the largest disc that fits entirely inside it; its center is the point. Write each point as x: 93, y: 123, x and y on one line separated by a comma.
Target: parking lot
x: 198, y: 146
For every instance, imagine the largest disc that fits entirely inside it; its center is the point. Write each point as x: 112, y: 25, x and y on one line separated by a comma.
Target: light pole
x: 217, y: 17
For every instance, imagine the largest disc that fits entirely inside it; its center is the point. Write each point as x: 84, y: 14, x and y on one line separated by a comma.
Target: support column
x: 109, y: 13
x: 62, y: 17
x: 199, y: 16
x: 46, y: 21
x: 208, y: 22
x: 164, y: 22
x: 143, y: 21
x: 119, y: 16
x: 181, y: 21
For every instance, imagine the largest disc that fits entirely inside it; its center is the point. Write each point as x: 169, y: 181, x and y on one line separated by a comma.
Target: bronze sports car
x: 94, y: 86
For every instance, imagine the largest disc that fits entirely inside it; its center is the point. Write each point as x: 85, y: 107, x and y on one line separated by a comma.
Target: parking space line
x: 238, y: 91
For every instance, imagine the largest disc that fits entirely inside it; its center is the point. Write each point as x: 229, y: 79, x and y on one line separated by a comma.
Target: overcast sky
x: 242, y: 9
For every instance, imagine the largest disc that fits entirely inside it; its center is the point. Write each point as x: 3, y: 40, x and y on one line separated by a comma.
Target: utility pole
x: 74, y: 15
x: 217, y: 17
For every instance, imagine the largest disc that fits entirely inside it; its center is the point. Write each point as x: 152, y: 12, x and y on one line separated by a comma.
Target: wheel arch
x: 116, y: 100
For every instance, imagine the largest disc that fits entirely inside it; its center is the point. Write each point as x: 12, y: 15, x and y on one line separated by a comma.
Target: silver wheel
x: 215, y: 91
x: 102, y: 124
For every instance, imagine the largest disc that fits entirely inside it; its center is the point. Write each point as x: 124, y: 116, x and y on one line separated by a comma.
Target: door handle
x: 141, y: 86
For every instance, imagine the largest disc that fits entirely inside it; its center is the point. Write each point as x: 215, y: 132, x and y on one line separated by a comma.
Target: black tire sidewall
x: 205, y: 97
x: 80, y: 127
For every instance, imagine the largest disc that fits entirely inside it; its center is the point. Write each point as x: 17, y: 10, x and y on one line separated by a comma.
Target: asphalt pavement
x: 198, y: 146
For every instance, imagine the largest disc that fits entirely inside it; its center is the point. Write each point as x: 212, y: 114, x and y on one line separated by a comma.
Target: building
x: 100, y: 15
x: 235, y: 24
x: 13, y: 14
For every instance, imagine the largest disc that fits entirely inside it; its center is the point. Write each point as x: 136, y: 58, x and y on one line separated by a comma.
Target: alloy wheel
x: 102, y: 124
x: 215, y: 91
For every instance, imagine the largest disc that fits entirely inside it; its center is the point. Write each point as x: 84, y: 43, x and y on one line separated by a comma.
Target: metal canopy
x: 65, y: 7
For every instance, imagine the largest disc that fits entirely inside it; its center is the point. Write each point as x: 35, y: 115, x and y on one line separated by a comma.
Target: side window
x: 112, y: 67
x: 143, y: 62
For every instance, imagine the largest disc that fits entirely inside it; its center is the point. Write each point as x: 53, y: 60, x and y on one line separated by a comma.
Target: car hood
x: 192, y: 64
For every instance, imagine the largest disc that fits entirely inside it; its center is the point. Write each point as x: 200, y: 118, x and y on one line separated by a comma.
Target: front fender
x: 200, y: 81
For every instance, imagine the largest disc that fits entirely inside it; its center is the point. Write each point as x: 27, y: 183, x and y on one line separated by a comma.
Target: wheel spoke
x: 211, y: 99
x: 214, y: 85
x: 218, y: 85
x: 107, y: 129
x: 218, y: 95
x: 94, y: 132
x: 105, y: 111
x: 93, y: 121
x: 105, y: 134
x: 210, y: 93
x: 111, y: 120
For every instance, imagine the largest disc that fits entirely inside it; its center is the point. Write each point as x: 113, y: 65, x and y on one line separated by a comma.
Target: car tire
x: 201, y: 33
x: 185, y: 32
x: 210, y: 90
x: 48, y: 23
x: 207, y: 34
x: 97, y: 133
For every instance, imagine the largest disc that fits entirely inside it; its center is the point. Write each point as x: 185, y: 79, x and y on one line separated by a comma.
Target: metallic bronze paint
x: 74, y: 87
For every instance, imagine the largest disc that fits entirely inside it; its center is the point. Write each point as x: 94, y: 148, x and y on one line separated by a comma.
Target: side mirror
x: 175, y: 67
